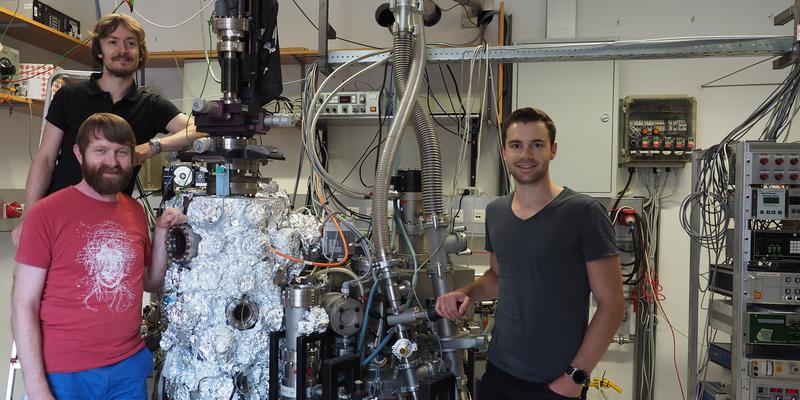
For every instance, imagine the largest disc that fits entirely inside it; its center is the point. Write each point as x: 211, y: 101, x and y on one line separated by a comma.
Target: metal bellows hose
x: 380, y: 210
x: 428, y: 142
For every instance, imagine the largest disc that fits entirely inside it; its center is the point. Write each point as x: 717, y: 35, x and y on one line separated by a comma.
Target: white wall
x: 719, y: 109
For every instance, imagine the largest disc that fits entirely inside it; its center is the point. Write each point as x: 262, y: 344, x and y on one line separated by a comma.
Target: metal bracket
x: 322, y: 29
x: 789, y: 14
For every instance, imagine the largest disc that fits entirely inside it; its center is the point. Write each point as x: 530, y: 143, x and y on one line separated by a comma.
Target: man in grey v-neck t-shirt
x: 550, y: 248
x: 543, y: 306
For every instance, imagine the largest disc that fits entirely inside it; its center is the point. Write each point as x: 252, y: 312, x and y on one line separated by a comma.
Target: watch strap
x: 155, y: 143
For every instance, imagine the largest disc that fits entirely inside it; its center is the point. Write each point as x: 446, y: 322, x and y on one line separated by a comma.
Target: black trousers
x: 497, y: 384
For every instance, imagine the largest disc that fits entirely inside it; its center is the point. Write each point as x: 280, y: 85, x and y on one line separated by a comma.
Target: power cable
x: 337, y: 36
x: 198, y: 12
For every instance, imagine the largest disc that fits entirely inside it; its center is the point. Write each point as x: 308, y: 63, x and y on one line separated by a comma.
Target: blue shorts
x: 125, y: 380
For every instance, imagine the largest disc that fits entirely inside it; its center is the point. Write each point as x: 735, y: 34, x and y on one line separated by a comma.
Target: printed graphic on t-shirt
x: 108, y: 257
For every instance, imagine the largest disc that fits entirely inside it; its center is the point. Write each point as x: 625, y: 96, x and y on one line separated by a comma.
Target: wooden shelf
x: 20, y: 104
x: 45, y: 37
x: 161, y: 59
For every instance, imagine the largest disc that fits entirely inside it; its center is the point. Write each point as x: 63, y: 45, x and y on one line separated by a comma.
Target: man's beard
x: 121, y: 72
x: 103, y: 184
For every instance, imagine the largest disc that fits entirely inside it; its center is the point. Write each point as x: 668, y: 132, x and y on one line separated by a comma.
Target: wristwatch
x: 578, y: 375
x: 155, y: 143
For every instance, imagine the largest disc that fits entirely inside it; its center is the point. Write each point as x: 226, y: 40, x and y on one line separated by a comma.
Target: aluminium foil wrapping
x: 208, y: 357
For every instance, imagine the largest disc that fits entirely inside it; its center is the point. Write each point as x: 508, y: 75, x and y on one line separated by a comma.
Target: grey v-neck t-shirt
x: 543, y: 307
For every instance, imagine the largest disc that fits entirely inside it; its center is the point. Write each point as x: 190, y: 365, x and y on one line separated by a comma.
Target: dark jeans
x: 497, y: 384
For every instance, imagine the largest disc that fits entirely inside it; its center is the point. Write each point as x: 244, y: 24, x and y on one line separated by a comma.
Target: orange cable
x: 342, y: 261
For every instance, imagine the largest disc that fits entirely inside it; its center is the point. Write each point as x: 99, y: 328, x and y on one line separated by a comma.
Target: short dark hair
x: 107, y: 126
x: 107, y: 25
x: 526, y: 115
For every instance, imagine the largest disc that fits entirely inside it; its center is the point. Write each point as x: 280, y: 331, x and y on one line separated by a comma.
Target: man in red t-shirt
x: 83, y: 261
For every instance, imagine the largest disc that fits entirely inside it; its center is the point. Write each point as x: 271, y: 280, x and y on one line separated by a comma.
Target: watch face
x: 579, y: 376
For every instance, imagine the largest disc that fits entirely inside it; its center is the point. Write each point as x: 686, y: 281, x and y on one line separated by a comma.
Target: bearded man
x: 82, y: 263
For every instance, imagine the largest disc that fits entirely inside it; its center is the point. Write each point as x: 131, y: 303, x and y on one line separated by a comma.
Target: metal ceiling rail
x: 648, y: 49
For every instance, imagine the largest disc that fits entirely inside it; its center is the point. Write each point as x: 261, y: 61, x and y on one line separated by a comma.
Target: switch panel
x: 657, y: 131
x: 350, y: 103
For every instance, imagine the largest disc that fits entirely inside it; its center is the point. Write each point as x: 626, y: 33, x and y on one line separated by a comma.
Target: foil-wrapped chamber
x: 222, y: 305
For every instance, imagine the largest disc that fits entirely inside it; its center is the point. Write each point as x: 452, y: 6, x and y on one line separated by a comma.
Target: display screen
x: 771, y: 200
x: 344, y: 99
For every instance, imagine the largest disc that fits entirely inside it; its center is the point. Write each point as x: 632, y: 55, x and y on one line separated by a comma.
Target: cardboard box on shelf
x: 33, y: 80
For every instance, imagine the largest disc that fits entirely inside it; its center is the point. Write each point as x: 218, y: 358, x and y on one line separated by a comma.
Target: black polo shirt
x: 146, y: 112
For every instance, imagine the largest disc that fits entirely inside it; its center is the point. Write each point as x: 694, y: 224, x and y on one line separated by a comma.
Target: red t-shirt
x: 95, y: 253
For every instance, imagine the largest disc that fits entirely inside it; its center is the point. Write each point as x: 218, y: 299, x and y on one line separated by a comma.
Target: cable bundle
x: 711, y: 196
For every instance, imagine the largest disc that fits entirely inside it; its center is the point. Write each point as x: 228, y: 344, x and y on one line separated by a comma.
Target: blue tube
x: 379, y: 348
x: 363, y: 333
x: 403, y: 232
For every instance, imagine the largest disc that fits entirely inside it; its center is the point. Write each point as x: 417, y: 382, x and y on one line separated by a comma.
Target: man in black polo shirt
x: 119, y: 46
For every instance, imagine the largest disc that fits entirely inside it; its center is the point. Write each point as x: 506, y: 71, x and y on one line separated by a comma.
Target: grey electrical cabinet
x: 657, y: 131
x: 580, y: 98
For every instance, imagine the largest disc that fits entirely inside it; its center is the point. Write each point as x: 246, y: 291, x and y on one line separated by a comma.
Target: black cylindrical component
x: 431, y: 14
x: 230, y: 74
x: 407, y: 180
x: 220, y: 8
x: 7, y: 69
x: 384, y: 15
x: 182, y: 243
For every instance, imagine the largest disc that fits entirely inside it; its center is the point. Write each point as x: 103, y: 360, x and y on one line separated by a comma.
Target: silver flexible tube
x: 310, y: 123
x: 380, y: 206
x: 431, y: 166
x: 429, y: 149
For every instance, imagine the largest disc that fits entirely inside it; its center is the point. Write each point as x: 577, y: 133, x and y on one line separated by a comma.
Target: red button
x: 779, y: 161
x: 778, y: 176
x: 794, y: 176
x: 794, y: 161
x: 764, y: 176
x: 764, y: 160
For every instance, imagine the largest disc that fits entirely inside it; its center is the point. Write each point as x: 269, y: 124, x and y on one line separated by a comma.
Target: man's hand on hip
x: 447, y: 305
x: 565, y: 386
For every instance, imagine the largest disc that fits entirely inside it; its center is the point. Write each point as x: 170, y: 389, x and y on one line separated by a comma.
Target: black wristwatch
x: 578, y: 375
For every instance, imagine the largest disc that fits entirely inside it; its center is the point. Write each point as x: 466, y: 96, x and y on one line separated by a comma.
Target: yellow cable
x: 604, y: 383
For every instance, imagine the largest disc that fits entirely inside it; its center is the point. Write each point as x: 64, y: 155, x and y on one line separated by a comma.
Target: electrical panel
x: 780, y: 246
x: 773, y: 287
x: 769, y: 203
x: 350, y: 104
x: 720, y: 279
x: 55, y: 19
x: 765, y: 289
x: 786, y: 390
x: 776, y: 168
x: 777, y: 369
x: 657, y: 131
x: 774, y: 328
